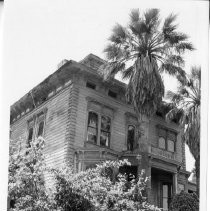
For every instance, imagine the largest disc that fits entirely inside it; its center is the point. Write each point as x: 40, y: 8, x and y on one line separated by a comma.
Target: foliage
x: 187, y: 103
x: 94, y: 189
x: 185, y: 202
x: 26, y: 180
x: 142, y: 51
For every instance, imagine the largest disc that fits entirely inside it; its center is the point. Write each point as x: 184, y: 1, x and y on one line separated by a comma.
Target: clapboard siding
x: 118, y: 123
x: 71, y: 123
x: 55, y: 126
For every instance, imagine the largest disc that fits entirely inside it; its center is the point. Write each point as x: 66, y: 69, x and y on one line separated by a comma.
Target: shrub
x: 185, y: 202
x: 93, y: 189
x: 26, y: 188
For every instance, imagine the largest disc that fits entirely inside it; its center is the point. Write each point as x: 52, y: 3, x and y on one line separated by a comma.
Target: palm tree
x: 186, y: 101
x: 141, y: 52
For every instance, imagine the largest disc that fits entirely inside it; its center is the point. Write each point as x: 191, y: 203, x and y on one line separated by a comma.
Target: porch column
x: 148, y: 174
x: 175, y: 183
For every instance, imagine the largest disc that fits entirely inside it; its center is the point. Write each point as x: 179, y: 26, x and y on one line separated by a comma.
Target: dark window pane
x: 40, y: 129
x: 104, y: 138
x: 130, y: 137
x: 93, y: 120
x: 90, y: 85
x: 30, y: 135
x: 92, y: 135
x: 92, y: 130
x: 112, y: 94
x: 105, y: 123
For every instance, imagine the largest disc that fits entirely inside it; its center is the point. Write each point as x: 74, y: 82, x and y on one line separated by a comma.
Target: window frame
x: 134, y: 141
x: 167, y: 138
x: 165, y: 148
x: 109, y: 132
x: 91, y: 111
x: 35, y: 125
x: 100, y: 114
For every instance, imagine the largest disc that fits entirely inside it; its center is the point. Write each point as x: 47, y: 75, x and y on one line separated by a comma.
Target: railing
x: 163, y: 153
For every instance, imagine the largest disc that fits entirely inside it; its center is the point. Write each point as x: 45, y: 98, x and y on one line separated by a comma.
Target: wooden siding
x: 119, y: 122
x: 55, y: 126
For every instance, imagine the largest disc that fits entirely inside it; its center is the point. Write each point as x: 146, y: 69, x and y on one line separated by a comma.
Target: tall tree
x: 186, y: 101
x: 142, y: 51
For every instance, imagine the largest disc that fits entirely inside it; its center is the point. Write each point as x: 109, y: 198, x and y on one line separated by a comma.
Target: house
x: 86, y: 120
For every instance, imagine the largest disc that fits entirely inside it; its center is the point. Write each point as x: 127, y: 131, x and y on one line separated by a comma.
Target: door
x: 166, y: 195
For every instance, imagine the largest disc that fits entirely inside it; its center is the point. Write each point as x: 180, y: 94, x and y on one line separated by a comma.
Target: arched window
x: 161, y: 143
x: 105, y: 131
x: 170, y: 145
x: 92, y: 129
x: 130, y: 137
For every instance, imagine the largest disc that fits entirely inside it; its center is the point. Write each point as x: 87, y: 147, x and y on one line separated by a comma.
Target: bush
x: 93, y: 189
x: 26, y: 188
x: 185, y: 202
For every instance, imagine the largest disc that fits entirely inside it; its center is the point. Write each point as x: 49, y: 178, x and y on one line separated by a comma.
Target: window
x: 30, y: 135
x: 167, y: 139
x: 90, y: 85
x: 105, y: 131
x: 94, y: 120
x: 162, y: 143
x: 36, y: 127
x: 92, y: 127
x: 130, y: 137
x: 170, y: 145
x: 180, y: 187
x: 112, y: 94
x: 40, y: 124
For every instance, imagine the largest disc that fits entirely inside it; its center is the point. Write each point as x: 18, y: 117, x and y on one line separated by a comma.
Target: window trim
x: 35, y: 126
x: 167, y: 130
x: 100, y: 114
x: 134, y: 141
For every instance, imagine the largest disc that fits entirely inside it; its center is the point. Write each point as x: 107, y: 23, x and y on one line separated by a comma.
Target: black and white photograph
x: 102, y: 105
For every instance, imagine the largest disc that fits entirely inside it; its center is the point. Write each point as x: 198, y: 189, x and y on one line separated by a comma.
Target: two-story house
x: 86, y: 120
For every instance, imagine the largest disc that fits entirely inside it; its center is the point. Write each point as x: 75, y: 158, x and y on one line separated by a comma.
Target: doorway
x: 166, y: 194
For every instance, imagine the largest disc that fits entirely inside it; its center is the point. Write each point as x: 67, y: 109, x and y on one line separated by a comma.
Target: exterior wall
x: 118, y: 124
x: 55, y: 126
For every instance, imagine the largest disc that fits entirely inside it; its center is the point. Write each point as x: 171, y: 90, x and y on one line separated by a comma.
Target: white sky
x: 39, y: 34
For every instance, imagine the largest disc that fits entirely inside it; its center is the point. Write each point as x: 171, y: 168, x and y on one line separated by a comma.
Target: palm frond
x: 172, y: 69
x: 119, y: 31
x: 134, y: 16
x: 196, y: 73
x: 176, y: 37
x: 174, y: 97
x: 181, y: 47
x: 110, y: 70
x: 169, y: 26
x: 127, y: 73
x: 176, y: 59
x: 152, y: 20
